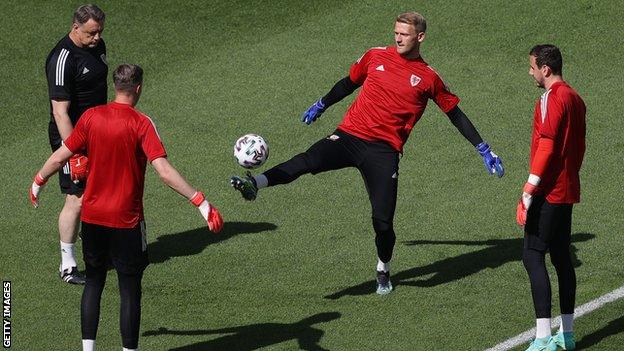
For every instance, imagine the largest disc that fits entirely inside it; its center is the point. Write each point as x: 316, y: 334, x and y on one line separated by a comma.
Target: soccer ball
x: 251, y: 150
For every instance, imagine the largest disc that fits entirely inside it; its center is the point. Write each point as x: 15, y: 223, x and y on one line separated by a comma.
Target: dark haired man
x: 396, y: 86
x: 119, y: 140
x: 76, y: 71
x: 553, y: 186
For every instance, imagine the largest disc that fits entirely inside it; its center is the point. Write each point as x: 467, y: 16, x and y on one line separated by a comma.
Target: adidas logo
x: 380, y: 68
x: 85, y: 70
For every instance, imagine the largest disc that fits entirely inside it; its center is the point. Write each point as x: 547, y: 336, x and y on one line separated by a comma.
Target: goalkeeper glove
x: 209, y: 212
x: 35, y: 188
x: 493, y: 163
x: 78, y: 168
x: 525, y: 202
x: 313, y: 112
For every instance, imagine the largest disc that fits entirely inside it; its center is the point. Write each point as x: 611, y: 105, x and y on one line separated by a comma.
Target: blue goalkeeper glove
x: 313, y: 112
x: 493, y: 163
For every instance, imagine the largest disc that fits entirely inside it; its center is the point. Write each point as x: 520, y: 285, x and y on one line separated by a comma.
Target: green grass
x: 217, y: 70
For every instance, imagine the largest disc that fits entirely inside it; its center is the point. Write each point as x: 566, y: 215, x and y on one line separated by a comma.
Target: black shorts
x: 123, y: 248
x: 377, y: 161
x: 547, y: 225
x: 67, y: 185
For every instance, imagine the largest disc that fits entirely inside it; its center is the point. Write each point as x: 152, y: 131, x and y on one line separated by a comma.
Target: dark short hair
x: 127, y: 77
x: 415, y: 19
x: 89, y: 11
x: 548, y: 55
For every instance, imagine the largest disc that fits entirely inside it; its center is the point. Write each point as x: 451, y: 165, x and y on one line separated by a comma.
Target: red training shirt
x: 560, y: 115
x: 118, y: 140
x: 394, y: 95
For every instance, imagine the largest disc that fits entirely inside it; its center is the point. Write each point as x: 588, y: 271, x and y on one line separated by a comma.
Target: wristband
x: 197, y: 198
x: 39, y: 180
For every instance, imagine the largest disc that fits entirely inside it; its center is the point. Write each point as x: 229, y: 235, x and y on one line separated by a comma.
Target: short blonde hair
x: 415, y: 19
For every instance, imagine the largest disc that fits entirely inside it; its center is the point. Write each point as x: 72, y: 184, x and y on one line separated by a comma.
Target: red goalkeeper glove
x: 35, y: 188
x: 525, y: 202
x: 78, y: 168
x: 209, y: 212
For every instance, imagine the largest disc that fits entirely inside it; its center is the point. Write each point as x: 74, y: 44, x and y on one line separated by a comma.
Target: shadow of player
x: 256, y: 336
x: 496, y: 253
x: 613, y: 328
x: 193, y: 242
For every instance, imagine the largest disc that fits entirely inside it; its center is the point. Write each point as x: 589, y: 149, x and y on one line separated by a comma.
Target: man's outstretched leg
x: 334, y: 152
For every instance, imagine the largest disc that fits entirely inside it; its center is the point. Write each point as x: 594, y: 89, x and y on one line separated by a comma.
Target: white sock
x: 383, y: 267
x: 88, y: 345
x: 567, y: 321
x: 543, y: 328
x: 125, y: 349
x: 261, y: 181
x: 67, y: 256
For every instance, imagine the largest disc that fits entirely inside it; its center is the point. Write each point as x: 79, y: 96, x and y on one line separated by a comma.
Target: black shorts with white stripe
x: 67, y: 185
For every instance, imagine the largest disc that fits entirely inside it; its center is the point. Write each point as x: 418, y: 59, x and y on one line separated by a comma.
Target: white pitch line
x: 579, y: 311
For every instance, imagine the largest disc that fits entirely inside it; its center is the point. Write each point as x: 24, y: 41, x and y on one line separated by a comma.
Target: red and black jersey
x: 119, y: 141
x: 77, y: 75
x: 394, y: 94
x: 560, y: 116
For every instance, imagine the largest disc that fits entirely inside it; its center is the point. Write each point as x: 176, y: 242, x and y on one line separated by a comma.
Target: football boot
x: 384, y: 286
x: 246, y: 186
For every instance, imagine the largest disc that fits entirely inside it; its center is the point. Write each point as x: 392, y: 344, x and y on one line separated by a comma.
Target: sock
x: 261, y: 181
x: 67, y: 256
x: 88, y: 345
x: 125, y: 349
x: 383, y: 267
x: 567, y: 321
x: 543, y: 328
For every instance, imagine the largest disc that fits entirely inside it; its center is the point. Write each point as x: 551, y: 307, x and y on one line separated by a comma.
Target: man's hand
x: 35, y: 188
x: 313, y: 112
x: 209, y: 212
x: 493, y: 163
x: 525, y: 202
x: 78, y: 168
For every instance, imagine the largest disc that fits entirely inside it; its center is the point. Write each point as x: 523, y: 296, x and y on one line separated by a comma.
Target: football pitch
x: 295, y: 268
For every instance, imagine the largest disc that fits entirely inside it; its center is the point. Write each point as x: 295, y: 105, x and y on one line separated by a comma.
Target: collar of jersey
x: 120, y: 105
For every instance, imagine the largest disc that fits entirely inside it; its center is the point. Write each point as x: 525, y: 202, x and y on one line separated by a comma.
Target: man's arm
x: 50, y: 167
x: 548, y: 132
x: 339, y: 91
x: 55, y: 162
x: 493, y: 163
x: 465, y: 127
x: 60, y: 111
x: 170, y: 176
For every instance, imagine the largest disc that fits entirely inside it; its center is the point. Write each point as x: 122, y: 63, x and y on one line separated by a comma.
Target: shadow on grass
x: 192, y: 242
x: 495, y: 254
x: 256, y: 336
x: 614, y: 327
